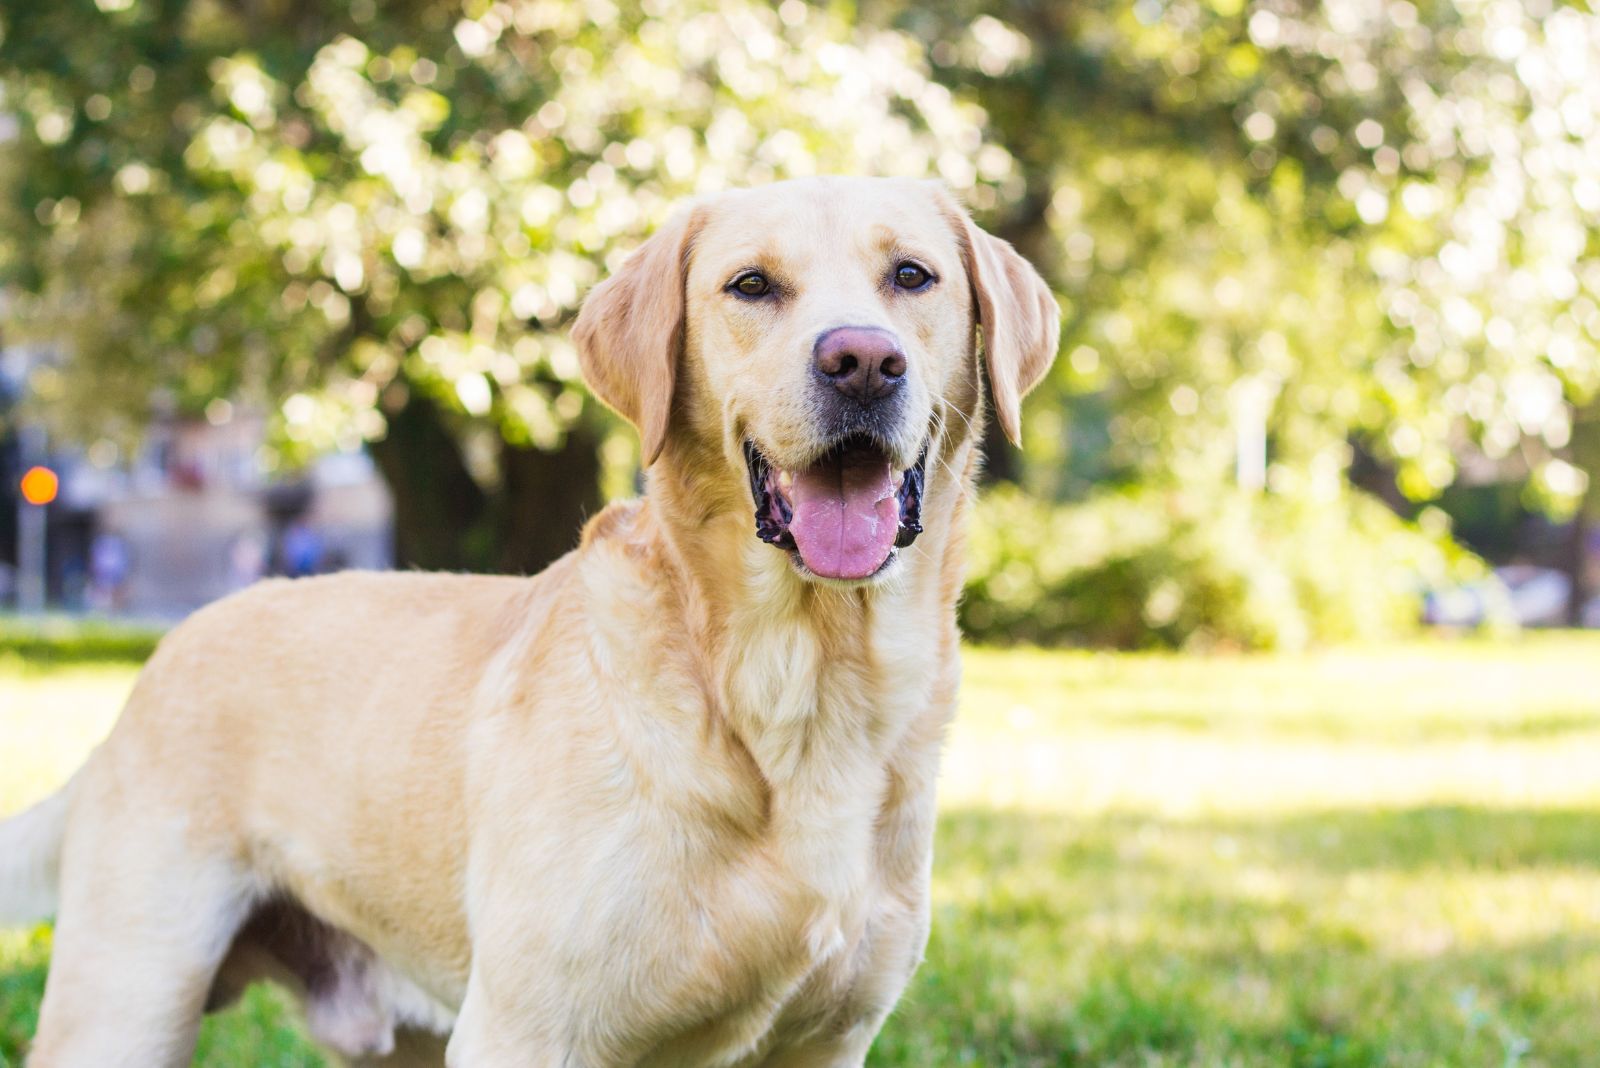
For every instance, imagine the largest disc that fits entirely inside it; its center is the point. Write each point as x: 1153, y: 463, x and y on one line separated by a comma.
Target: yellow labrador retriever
x: 670, y: 802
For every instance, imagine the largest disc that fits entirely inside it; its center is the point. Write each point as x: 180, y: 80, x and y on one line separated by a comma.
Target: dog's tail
x: 30, y: 860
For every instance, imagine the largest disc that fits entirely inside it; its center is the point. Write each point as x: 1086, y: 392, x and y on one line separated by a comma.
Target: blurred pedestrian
x: 109, y: 564
x: 247, y: 560
x: 302, y: 550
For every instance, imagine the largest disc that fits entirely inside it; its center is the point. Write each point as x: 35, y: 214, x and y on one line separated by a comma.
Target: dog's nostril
x: 864, y: 362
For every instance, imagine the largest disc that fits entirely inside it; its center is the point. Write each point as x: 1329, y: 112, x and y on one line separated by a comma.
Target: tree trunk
x: 1578, y: 565
x: 1586, y: 457
x: 439, y: 508
x: 1028, y: 230
x: 1369, y: 473
x: 547, y: 497
x: 999, y: 455
x: 444, y: 521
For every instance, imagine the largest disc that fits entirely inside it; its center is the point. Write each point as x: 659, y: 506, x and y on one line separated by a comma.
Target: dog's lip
x: 770, y: 486
x: 788, y: 461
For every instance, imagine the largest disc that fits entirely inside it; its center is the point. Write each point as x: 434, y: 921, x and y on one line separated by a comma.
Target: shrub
x: 1179, y: 567
x: 60, y: 639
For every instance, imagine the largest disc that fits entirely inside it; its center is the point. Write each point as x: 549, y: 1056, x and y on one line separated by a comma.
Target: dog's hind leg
x: 412, y: 1049
x: 147, y: 909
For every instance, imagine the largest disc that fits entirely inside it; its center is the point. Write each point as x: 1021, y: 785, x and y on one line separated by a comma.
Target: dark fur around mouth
x: 773, y: 510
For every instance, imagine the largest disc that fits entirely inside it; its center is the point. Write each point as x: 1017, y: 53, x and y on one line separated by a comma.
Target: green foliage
x: 1384, y: 212
x: 1194, y: 567
x: 1298, y: 231
x: 317, y: 209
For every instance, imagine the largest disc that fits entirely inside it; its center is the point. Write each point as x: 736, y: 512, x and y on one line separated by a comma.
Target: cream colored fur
x: 30, y: 858
x: 668, y: 803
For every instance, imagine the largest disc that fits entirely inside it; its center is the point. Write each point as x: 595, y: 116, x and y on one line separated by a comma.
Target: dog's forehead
x: 821, y: 219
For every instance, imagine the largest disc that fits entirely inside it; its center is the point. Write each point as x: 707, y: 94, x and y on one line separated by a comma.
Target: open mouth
x: 845, y: 514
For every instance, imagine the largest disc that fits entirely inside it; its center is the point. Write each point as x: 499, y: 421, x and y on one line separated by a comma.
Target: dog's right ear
x: 1017, y: 313
x: 629, y: 333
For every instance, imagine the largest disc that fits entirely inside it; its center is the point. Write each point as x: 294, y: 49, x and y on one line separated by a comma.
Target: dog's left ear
x: 1017, y: 313
x: 629, y: 333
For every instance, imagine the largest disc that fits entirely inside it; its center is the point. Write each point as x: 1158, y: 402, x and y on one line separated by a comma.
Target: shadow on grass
x: 1336, y: 841
x: 1432, y: 836
x: 1331, y: 940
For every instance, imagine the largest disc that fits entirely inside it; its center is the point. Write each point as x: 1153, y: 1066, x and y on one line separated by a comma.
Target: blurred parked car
x: 1524, y: 594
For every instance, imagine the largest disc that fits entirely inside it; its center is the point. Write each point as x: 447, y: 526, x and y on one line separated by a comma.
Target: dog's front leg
x: 491, y: 1035
x: 840, y: 1051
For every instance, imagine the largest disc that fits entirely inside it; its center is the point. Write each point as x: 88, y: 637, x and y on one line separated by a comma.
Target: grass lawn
x: 1371, y: 857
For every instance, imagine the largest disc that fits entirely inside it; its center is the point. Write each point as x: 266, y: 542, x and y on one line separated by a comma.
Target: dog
x: 669, y: 802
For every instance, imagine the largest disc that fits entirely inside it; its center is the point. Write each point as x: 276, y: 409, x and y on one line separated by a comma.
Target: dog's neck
x: 820, y: 684
x: 776, y: 639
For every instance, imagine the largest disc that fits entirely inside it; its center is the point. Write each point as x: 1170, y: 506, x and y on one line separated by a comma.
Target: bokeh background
x: 285, y: 285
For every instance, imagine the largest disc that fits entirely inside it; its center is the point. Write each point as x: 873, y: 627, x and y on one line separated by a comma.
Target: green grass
x: 71, y: 640
x: 1369, y: 857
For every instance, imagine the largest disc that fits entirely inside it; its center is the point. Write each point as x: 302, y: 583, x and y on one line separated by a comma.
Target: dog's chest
x: 829, y: 925
x: 769, y: 922
x: 784, y: 956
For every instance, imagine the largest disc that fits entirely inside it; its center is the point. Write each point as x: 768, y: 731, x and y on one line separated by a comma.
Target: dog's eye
x: 911, y: 276
x: 751, y: 284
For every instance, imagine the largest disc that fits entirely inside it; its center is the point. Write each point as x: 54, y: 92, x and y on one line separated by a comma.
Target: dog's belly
x: 354, y: 1001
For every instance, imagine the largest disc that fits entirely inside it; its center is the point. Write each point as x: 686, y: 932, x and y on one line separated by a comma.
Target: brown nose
x: 864, y: 362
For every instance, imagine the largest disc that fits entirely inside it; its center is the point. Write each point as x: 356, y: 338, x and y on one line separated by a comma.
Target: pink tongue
x: 845, y: 516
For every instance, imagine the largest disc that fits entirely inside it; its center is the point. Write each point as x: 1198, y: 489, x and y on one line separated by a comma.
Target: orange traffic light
x: 40, y: 485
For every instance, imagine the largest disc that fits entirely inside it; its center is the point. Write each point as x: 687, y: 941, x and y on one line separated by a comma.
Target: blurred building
x: 192, y: 516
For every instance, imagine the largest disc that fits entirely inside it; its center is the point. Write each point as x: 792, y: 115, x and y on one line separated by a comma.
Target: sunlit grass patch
x: 50, y: 717
x: 1464, y: 722
x: 1539, y: 685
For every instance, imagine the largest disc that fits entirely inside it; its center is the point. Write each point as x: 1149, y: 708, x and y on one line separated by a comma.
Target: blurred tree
x: 1307, y: 251
x: 379, y: 222
x: 1321, y: 232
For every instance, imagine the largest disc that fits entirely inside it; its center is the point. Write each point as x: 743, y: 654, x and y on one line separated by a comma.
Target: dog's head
x: 816, y: 339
